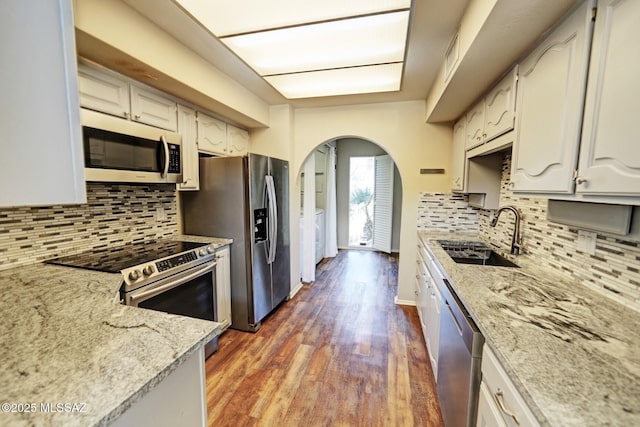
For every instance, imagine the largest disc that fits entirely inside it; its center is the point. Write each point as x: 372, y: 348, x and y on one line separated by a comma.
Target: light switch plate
x: 587, y: 242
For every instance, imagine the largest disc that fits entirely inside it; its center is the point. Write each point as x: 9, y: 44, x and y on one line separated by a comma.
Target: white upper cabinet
x: 550, y: 97
x: 494, y: 114
x: 103, y: 92
x: 223, y: 287
x: 111, y: 93
x: 500, y: 106
x: 220, y: 138
x: 475, y: 126
x: 237, y: 140
x: 42, y: 161
x: 187, y: 127
x: 153, y: 109
x: 458, y: 159
x: 212, y: 135
x: 610, y: 152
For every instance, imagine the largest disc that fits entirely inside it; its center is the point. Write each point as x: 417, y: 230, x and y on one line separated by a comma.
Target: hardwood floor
x: 340, y: 353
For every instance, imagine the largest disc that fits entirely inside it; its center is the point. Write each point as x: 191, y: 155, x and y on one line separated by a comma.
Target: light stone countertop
x: 65, y: 339
x: 572, y: 353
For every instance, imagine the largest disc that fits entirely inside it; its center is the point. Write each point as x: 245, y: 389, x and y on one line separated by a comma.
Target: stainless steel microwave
x: 118, y: 150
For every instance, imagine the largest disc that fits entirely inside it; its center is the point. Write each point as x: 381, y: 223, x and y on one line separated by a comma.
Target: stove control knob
x: 211, y: 249
x: 148, y: 270
x: 202, y: 252
x: 134, y: 275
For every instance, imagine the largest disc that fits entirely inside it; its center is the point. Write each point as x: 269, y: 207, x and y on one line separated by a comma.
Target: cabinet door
x: 153, y: 109
x: 488, y: 412
x: 549, y: 103
x: 42, y: 161
x: 500, y: 106
x: 475, y: 126
x: 104, y: 92
x: 187, y: 127
x: 212, y: 135
x: 223, y: 287
x: 238, y: 141
x: 435, y: 300
x: 610, y: 152
x: 458, y: 156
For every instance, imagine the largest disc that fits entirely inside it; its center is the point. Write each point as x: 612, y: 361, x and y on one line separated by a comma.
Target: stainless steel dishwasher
x: 459, y: 362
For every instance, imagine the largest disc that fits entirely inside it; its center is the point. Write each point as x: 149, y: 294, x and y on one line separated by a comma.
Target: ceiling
x: 433, y: 24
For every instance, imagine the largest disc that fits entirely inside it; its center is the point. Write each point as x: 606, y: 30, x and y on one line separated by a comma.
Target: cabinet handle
x: 125, y: 114
x: 500, y: 399
x: 484, y: 135
x: 478, y: 138
x: 580, y: 180
x: 137, y: 116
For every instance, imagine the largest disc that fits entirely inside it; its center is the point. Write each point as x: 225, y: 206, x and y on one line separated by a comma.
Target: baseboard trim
x: 295, y: 290
x: 404, y: 302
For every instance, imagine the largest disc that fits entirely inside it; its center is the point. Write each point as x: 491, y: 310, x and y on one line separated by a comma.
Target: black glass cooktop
x: 114, y: 259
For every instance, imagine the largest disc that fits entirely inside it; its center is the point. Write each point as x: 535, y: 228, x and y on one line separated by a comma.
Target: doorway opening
x: 361, y: 188
x: 371, y: 202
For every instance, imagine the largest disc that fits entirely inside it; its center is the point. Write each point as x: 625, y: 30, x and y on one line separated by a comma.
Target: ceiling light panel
x: 227, y: 17
x: 374, y: 39
x: 369, y: 79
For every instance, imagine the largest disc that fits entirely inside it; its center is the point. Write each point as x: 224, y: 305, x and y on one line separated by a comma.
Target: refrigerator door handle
x: 273, y: 217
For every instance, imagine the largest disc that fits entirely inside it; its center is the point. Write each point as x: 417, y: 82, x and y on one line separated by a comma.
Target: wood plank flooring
x: 340, y: 353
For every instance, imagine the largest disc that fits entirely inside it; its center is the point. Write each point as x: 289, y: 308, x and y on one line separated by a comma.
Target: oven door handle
x: 136, y: 296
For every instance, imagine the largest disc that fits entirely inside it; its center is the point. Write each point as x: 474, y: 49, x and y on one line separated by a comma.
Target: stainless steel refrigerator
x: 246, y: 199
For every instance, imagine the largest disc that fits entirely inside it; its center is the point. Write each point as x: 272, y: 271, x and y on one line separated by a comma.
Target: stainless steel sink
x: 471, y: 252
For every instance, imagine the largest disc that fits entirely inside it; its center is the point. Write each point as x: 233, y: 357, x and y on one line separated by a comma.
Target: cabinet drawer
x: 504, y: 394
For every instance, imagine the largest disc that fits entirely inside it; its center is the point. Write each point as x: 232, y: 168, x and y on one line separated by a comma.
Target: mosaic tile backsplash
x: 114, y: 214
x: 614, y: 270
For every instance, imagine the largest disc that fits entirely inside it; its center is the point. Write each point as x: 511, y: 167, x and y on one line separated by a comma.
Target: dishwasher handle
x: 453, y: 316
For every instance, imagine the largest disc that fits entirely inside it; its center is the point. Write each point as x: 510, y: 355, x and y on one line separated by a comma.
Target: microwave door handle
x: 165, y: 165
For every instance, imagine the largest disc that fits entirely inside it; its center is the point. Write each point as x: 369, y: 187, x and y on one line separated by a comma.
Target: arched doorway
x: 347, y: 149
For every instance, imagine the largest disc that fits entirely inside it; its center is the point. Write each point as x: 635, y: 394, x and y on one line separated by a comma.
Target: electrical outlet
x: 161, y: 215
x: 587, y: 242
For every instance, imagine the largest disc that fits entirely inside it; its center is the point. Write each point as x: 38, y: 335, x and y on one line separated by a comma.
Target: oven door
x: 188, y: 293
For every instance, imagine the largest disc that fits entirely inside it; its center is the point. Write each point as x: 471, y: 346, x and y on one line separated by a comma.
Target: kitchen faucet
x: 515, y: 239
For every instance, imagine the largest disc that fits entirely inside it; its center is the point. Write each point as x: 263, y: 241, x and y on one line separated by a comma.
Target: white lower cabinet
x: 499, y: 403
x: 489, y: 414
x: 223, y: 287
x: 433, y: 331
x: 179, y: 400
x: 428, y: 300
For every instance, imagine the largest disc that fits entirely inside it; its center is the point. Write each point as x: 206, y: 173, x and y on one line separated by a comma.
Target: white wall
x: 353, y: 147
x: 400, y: 129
